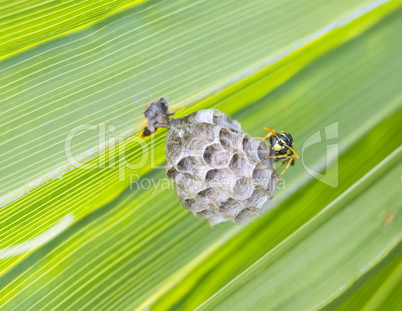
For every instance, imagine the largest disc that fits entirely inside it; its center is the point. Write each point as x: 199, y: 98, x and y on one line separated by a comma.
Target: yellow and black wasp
x: 282, y: 149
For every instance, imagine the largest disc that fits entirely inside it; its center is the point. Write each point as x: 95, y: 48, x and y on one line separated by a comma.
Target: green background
x: 80, y: 237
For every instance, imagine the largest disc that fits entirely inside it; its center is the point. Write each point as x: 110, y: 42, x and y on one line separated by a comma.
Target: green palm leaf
x: 86, y: 230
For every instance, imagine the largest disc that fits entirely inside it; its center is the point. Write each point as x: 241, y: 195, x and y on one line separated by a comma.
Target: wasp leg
x: 271, y: 133
x: 282, y: 164
x: 277, y: 157
x: 288, y: 159
x: 266, y: 137
x: 288, y: 162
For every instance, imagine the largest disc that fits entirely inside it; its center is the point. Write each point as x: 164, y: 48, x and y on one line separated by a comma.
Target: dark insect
x: 282, y: 149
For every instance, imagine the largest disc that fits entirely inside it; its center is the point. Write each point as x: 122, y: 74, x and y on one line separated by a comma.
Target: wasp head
x: 281, y: 143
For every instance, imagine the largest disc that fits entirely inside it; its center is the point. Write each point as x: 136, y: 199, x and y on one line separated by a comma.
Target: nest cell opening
x: 207, y: 214
x: 228, y: 139
x: 231, y: 207
x: 257, y: 198
x: 196, y: 206
x: 262, y: 176
x: 216, y: 175
x: 188, y: 165
x: 204, y: 130
x: 188, y: 203
x: 172, y: 173
x: 239, y: 165
x: 196, y: 145
x: 263, y: 152
x: 244, y: 216
x: 243, y: 189
x: 215, y: 156
x: 213, y: 194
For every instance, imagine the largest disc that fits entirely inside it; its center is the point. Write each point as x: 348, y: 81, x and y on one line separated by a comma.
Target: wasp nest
x: 220, y: 173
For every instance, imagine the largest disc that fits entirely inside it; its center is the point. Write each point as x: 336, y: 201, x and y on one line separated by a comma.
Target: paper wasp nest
x: 220, y: 173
